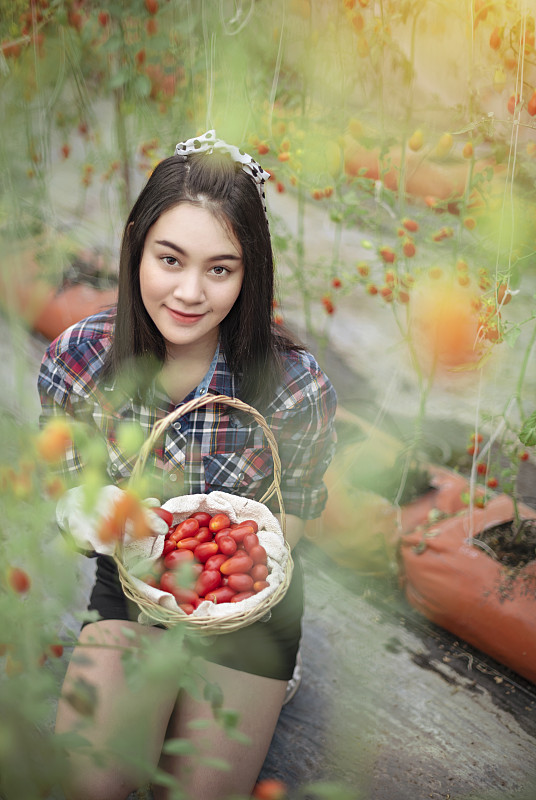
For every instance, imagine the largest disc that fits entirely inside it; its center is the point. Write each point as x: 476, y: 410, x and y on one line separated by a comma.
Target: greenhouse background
x: 400, y: 136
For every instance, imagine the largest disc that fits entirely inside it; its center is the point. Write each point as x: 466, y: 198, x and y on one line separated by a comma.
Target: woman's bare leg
x: 258, y: 702
x: 120, y: 715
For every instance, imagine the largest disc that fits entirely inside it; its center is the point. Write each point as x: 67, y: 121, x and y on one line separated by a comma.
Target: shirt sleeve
x: 306, y: 441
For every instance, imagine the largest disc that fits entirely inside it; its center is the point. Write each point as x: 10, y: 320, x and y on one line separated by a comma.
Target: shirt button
x: 202, y: 391
x: 177, y: 426
x: 173, y: 477
x: 114, y: 469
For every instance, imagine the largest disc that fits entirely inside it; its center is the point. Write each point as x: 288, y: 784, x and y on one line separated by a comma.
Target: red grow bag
x: 461, y: 588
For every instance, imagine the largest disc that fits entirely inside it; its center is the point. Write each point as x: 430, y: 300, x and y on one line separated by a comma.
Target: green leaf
x: 213, y: 694
x: 119, y: 78
x: 527, y: 435
x: 199, y: 724
x: 228, y: 717
x: 511, y: 336
x: 142, y: 85
x: 128, y: 633
x: 87, y: 616
x: 329, y: 790
x: 178, y: 747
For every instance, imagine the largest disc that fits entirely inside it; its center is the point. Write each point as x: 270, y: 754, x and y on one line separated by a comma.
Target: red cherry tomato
x: 240, y: 582
x: 209, y: 580
x: 181, y: 531
x: 168, y: 582
x: 259, y: 572
x: 188, y: 527
x: 223, y: 594
x: 205, y: 550
x: 258, y: 554
x: 252, y: 523
x: 240, y: 531
x: 218, y: 522
x: 240, y: 562
x: 204, y: 535
x: 222, y: 532
x: 190, y: 543
x: 183, y: 595
x: 242, y: 596
x: 150, y: 580
x: 167, y: 516
x: 176, y: 557
x: 250, y: 540
x: 258, y: 586
x: 188, y: 608
x: 227, y: 545
x: 202, y: 517
x: 215, y: 562
x: 169, y: 545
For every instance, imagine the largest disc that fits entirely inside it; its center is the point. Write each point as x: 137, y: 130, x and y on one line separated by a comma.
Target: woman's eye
x: 170, y: 261
x: 220, y: 270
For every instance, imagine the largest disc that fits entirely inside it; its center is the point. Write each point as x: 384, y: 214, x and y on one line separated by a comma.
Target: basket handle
x: 199, y: 402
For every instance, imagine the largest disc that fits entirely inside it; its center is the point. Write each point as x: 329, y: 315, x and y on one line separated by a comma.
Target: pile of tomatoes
x: 207, y: 557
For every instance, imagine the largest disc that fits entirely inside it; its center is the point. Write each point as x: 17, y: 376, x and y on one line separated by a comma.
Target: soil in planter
x: 513, y: 551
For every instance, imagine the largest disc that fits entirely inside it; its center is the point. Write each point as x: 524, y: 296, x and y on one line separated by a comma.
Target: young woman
x: 194, y: 315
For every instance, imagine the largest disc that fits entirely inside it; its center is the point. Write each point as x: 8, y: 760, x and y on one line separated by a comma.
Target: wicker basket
x: 237, y: 617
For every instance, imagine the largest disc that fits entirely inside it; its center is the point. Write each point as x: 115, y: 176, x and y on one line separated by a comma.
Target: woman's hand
x: 99, y: 528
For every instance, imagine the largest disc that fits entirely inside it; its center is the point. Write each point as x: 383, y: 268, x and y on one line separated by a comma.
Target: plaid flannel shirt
x: 212, y: 448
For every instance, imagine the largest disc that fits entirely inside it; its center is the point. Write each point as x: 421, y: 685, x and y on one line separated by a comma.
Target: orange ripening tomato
x: 270, y: 789
x: 53, y: 441
x: 445, y: 324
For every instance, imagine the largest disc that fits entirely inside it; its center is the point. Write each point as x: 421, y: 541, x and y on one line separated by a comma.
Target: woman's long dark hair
x: 251, y: 344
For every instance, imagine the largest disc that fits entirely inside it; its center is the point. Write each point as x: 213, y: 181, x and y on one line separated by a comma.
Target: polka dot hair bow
x: 209, y: 142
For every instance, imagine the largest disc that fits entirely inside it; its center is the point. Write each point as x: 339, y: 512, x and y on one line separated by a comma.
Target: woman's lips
x: 187, y: 319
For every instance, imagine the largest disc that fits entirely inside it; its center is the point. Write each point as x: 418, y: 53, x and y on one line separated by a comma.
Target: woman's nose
x: 189, y: 287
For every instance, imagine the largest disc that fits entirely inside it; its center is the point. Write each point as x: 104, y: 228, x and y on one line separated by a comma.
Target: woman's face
x: 191, y: 274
